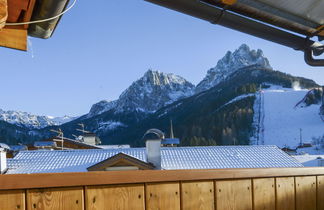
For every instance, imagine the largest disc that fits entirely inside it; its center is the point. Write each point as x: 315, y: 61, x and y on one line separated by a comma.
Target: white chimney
x: 3, y: 161
x: 153, y: 152
x: 153, y: 139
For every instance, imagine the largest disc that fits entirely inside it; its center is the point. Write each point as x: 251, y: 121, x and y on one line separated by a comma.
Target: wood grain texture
x: 320, y: 192
x: 264, y: 194
x: 163, y: 196
x: 13, y: 38
x: 130, y: 197
x: 12, y: 199
x: 3, y: 13
x: 305, y: 193
x: 285, y: 193
x: 234, y: 195
x: 30, y: 181
x: 55, y: 199
x: 197, y: 195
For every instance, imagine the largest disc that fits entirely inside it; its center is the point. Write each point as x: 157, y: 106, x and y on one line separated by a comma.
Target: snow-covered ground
x: 283, y: 125
x: 310, y: 160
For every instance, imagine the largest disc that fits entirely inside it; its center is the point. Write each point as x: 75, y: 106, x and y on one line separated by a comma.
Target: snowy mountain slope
x: 281, y: 122
x: 149, y: 93
x: 231, y: 62
x: 24, y: 119
x: 101, y: 107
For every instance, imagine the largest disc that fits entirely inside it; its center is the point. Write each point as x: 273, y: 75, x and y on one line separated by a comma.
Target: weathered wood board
x: 55, y: 199
x: 285, y: 193
x: 264, y: 194
x: 234, y: 195
x: 198, y: 195
x: 305, y: 193
x: 12, y: 199
x: 320, y: 192
x: 163, y: 196
x: 120, y: 197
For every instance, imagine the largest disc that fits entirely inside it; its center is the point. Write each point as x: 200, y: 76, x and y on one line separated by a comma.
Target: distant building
x: 56, y: 143
x: 91, y: 138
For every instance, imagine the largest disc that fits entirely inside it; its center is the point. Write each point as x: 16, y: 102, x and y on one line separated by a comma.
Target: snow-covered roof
x: 213, y: 157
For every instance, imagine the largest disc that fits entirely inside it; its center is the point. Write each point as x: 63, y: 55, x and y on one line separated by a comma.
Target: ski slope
x: 281, y: 121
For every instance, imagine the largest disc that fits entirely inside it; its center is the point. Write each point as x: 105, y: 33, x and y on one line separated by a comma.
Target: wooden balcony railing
x: 234, y: 189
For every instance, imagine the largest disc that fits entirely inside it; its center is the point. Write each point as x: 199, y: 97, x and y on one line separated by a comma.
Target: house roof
x: 213, y: 157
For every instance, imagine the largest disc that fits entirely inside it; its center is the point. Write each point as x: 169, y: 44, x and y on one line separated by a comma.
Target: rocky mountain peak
x: 231, y: 62
x: 154, y: 90
x: 149, y: 93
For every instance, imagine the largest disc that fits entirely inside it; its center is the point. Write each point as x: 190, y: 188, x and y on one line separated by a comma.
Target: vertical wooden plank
x: 12, y: 199
x: 29, y: 12
x: 320, y: 192
x: 234, y: 195
x: 264, y: 194
x: 118, y: 197
x: 197, y: 195
x: 306, y: 193
x: 55, y: 199
x: 163, y: 196
x: 285, y: 193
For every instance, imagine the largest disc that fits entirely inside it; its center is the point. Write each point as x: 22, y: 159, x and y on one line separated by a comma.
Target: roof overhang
x: 18, y: 11
x: 292, y: 23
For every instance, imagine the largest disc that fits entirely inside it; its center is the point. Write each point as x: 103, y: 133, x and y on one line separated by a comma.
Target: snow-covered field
x: 282, y: 124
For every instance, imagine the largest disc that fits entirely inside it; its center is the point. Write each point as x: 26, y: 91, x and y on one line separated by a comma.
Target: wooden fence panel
x: 285, y: 193
x: 55, y: 199
x: 234, y: 195
x: 264, y: 194
x: 320, y: 192
x: 12, y: 199
x: 306, y: 193
x: 121, y: 197
x: 163, y: 196
x: 197, y: 195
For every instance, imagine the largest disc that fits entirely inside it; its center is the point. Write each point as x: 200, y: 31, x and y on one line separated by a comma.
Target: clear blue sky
x: 101, y: 47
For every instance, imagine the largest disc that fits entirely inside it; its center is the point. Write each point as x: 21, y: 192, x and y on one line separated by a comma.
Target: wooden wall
x: 278, y: 193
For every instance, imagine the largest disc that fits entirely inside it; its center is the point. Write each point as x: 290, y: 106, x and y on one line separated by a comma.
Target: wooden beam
x: 3, y: 13
x: 13, y: 38
x: 16, y: 9
x: 29, y: 12
x: 30, y: 181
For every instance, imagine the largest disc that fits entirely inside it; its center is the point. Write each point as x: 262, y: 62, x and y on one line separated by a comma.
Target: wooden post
x: 3, y: 13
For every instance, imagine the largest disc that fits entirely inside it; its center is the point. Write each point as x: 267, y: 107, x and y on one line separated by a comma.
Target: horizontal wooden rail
x: 31, y: 181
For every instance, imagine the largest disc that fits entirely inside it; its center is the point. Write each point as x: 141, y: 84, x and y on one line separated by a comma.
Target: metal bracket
x: 310, y: 60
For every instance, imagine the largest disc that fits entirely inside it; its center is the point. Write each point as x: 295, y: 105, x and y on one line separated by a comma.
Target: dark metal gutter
x: 45, y: 9
x: 243, y: 24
